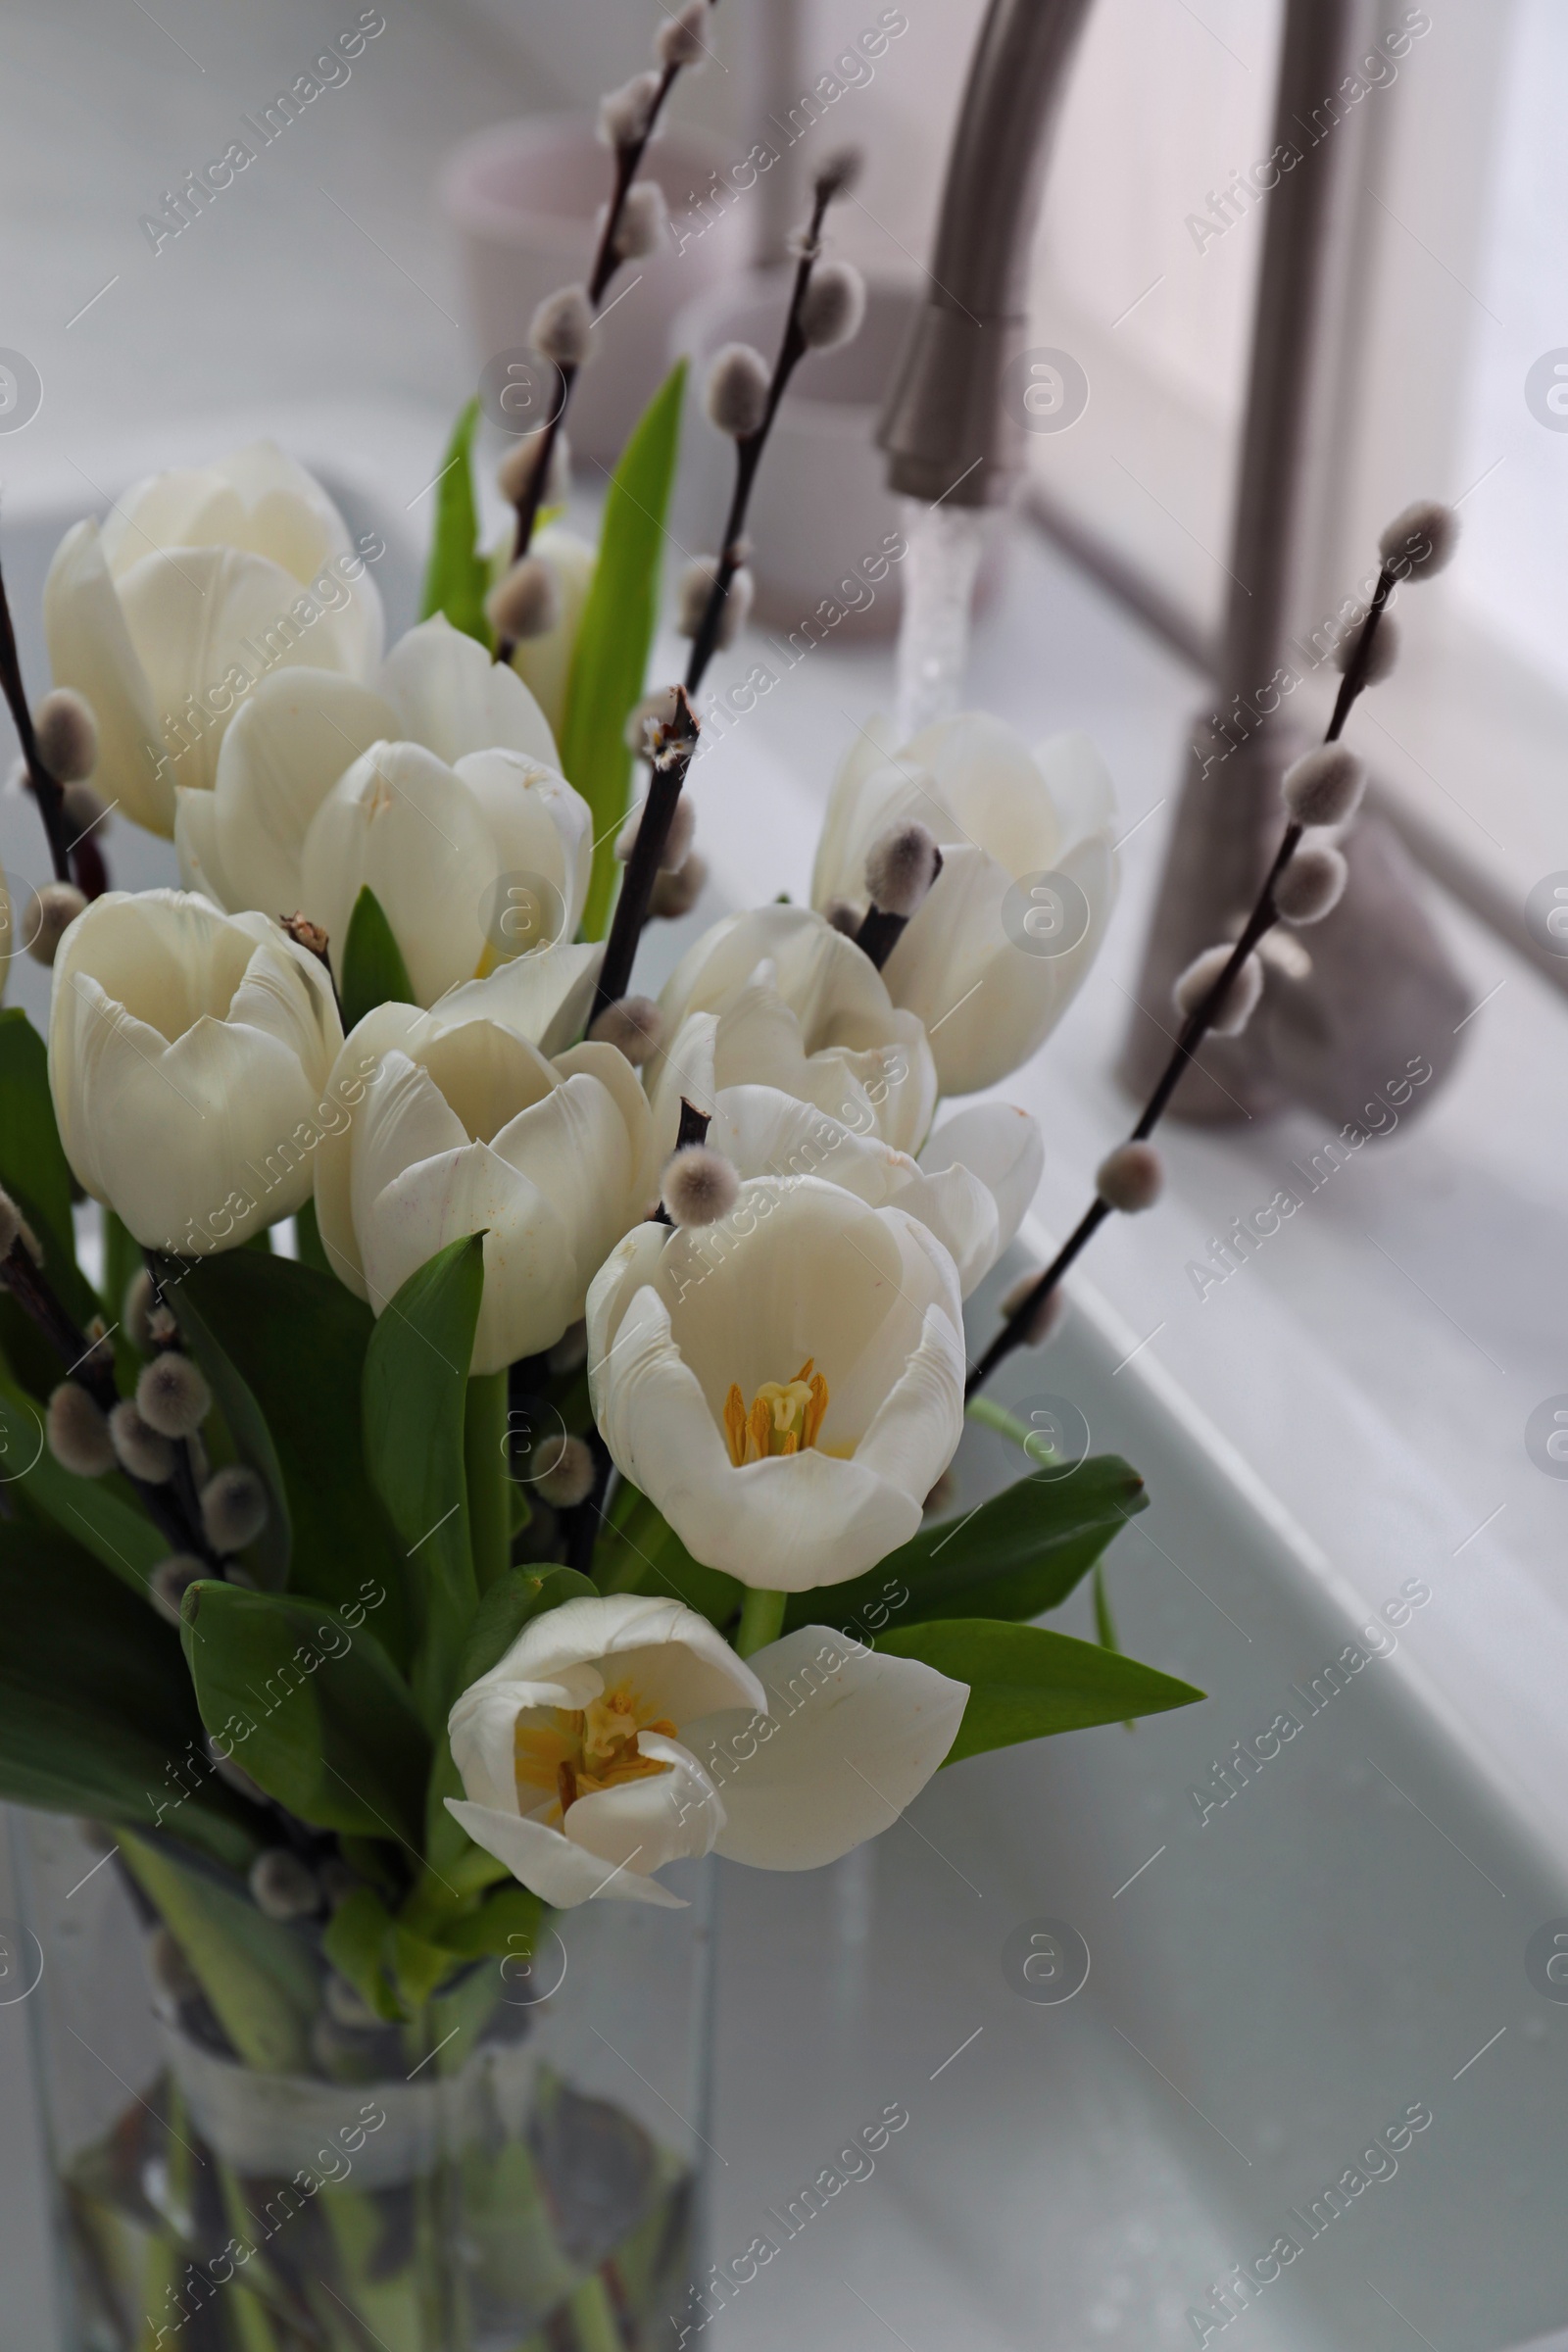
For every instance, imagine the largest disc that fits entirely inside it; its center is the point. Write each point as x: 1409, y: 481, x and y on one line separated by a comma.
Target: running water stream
x: 939, y: 574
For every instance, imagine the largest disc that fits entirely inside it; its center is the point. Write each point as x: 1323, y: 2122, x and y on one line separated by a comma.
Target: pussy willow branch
x: 45, y: 791
x: 675, y: 746
x: 1196, y: 1027
x: 88, y: 1363
x: 749, y: 451
x: 631, y: 908
x: 605, y: 263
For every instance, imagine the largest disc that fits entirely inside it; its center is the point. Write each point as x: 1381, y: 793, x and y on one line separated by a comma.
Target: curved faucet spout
x: 946, y: 425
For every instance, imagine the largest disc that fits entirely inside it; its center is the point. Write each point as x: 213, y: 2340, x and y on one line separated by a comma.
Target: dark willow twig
x: 674, y: 746
x: 48, y: 794
x: 663, y: 792
x: 605, y: 263
x: 748, y: 451
x: 1264, y: 915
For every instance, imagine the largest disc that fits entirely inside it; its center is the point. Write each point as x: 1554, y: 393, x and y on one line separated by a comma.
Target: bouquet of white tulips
x: 499, y: 1452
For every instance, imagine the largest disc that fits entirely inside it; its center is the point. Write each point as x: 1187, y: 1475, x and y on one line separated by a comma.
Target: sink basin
x: 1292, y: 1956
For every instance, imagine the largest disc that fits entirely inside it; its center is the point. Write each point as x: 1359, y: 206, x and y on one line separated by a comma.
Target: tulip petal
x: 684, y: 1071
x: 540, y: 827
x: 800, y: 1006
x: 545, y: 997
x: 90, y: 649
x: 562, y: 1873
x: 257, y: 499
x: 401, y: 823
x: 681, y: 1664
x: 670, y: 1816
x: 295, y: 735
x: 989, y: 783
x: 850, y: 824
x: 206, y: 624
x: 1003, y: 1146
x: 787, y: 1524
x: 201, y: 864
x: 609, y: 1067
x: 453, y: 698
x: 848, y: 1739
x: 768, y: 1132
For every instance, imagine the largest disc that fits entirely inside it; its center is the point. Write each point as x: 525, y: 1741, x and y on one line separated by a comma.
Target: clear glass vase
x: 517, y: 2171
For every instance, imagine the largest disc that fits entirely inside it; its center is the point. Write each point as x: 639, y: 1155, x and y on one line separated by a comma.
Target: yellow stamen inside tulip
x: 582, y: 1751
x: 783, y: 1417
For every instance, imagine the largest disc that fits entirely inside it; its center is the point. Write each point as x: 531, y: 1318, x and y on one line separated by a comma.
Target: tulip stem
x: 1264, y: 915
x: 484, y: 1453
x: 45, y: 791
x: 762, y: 1620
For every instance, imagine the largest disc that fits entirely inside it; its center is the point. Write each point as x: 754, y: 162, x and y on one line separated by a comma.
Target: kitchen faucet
x: 1349, y: 1004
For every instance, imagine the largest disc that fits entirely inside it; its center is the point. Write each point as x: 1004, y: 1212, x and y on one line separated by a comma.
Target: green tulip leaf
x: 308, y: 1702
x: 374, y: 970
x: 610, y: 660
x: 414, y: 1400
x: 457, y: 575
x: 355, y: 1941
x: 297, y: 1340
x: 122, y: 1262
x: 97, y: 1715
x: 1027, y: 1682
x: 34, y: 1171
x: 505, y: 1925
x: 1019, y: 1554
x: 256, y: 1972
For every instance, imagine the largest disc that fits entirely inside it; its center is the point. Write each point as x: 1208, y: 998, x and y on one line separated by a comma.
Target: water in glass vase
x: 516, y: 2170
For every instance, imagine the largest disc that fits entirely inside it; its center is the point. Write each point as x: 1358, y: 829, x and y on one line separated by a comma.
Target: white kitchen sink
x: 1274, y: 1980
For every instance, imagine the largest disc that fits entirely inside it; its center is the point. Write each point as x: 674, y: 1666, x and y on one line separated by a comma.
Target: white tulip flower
x: 201, y: 583
x: 188, y: 1059
x: 981, y: 968
x: 972, y: 1184
x: 467, y: 1126
x: 440, y: 787
x: 787, y: 1385
x: 619, y: 1734
x: 778, y: 998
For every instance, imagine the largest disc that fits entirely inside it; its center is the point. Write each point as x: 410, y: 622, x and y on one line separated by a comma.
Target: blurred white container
x: 524, y: 198
x: 823, y: 513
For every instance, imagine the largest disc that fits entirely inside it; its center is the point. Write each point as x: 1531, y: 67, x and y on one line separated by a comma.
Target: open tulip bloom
x: 548, y: 1504
x: 619, y: 1734
x: 199, y: 585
